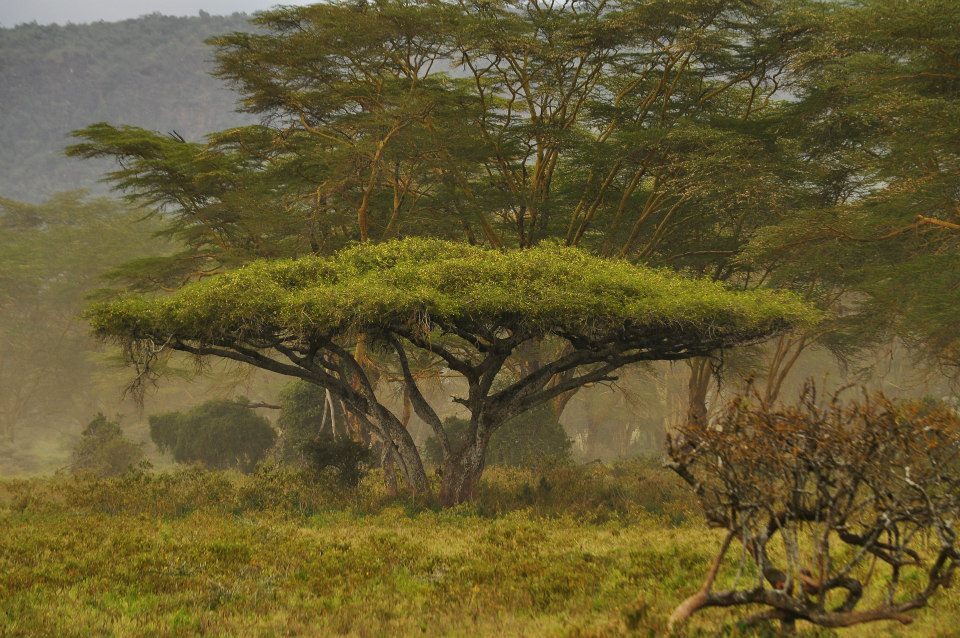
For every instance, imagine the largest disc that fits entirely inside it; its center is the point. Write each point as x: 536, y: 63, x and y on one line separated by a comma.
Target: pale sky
x: 13, y: 12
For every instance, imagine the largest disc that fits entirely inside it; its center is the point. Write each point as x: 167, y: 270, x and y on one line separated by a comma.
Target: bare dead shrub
x: 845, y: 511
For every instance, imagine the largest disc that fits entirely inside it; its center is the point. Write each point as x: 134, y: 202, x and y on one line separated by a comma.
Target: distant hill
x: 150, y: 72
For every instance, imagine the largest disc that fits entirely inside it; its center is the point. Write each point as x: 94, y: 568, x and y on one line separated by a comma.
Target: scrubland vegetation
x: 397, y: 334
x: 576, y: 551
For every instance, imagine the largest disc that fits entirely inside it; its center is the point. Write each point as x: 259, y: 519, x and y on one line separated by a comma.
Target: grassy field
x: 583, y: 552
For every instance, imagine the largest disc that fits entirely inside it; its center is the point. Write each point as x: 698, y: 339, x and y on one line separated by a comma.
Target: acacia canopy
x: 368, y: 288
x: 467, y: 307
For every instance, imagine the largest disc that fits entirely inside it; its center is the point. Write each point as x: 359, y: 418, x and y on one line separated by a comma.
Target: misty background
x: 14, y: 12
x: 62, y: 230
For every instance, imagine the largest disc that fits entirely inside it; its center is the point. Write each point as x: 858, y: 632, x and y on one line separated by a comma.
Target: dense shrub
x: 282, y: 490
x: 219, y: 434
x: 532, y: 439
x: 350, y: 459
x: 312, y: 434
x: 629, y: 492
x: 596, y: 493
x: 304, y: 411
x: 103, y: 450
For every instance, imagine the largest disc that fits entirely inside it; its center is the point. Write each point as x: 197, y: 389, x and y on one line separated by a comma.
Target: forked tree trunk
x: 389, y: 462
x: 461, y: 472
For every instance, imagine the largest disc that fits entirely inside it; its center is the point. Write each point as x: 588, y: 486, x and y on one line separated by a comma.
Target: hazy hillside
x: 151, y: 72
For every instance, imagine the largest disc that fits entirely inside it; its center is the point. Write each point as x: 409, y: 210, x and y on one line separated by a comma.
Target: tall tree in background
x: 909, y: 54
x: 644, y: 130
x: 878, y: 116
x: 612, y: 125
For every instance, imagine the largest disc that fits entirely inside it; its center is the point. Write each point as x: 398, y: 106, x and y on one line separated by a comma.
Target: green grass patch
x: 574, y: 552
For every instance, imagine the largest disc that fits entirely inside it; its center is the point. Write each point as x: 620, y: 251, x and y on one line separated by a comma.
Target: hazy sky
x: 13, y: 12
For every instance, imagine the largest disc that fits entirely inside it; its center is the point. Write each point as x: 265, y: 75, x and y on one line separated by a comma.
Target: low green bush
x: 304, y: 410
x: 220, y: 434
x: 103, y: 450
x: 350, y: 459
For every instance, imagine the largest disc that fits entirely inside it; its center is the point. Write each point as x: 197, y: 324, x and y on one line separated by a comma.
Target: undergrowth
x: 571, y: 551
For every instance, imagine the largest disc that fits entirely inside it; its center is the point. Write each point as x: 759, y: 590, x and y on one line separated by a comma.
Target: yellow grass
x: 193, y: 554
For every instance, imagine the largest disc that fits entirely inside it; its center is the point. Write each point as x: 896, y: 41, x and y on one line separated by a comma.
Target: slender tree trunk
x: 697, y: 388
x: 404, y: 451
x: 356, y: 427
x: 593, y: 430
x: 390, y: 474
x: 391, y: 469
x: 788, y: 350
x: 411, y: 466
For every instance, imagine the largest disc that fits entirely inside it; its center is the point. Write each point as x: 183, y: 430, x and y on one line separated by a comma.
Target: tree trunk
x: 700, y: 376
x: 401, y: 446
x: 461, y: 472
x: 389, y: 461
x: 390, y: 474
x: 411, y: 466
x: 593, y: 436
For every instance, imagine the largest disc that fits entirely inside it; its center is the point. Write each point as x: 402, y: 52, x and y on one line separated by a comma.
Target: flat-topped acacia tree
x: 468, y: 308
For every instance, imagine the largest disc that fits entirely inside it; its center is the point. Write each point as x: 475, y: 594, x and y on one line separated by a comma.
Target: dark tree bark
x: 701, y: 374
x: 461, y: 472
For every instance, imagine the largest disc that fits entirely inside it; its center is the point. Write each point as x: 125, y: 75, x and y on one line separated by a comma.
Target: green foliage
x: 303, y: 412
x: 628, y: 492
x: 311, y: 437
x: 349, y: 458
x: 219, y: 434
x: 505, y: 124
x: 521, y: 121
x: 877, y: 121
x: 103, y: 450
x: 370, y: 287
x: 531, y: 440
